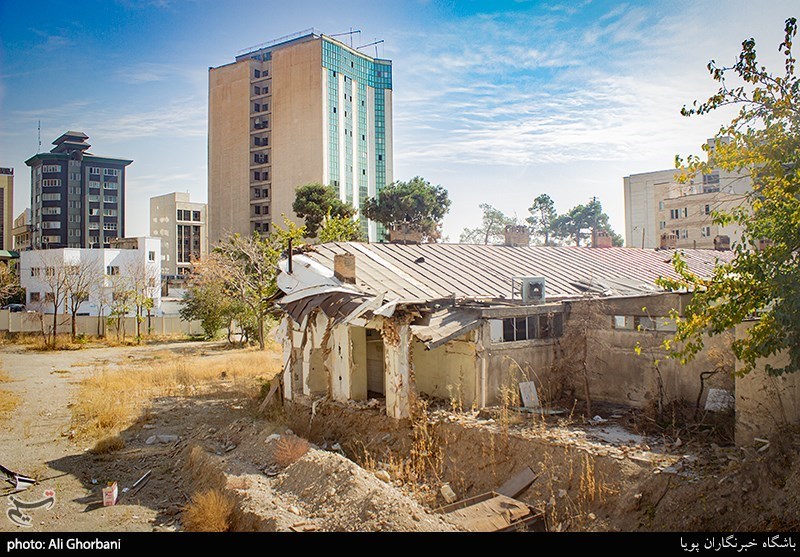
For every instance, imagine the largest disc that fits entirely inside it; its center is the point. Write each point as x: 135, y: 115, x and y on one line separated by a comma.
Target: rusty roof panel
x: 436, y: 271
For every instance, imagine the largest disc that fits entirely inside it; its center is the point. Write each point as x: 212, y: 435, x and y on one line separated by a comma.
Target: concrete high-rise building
x: 300, y: 109
x: 7, y: 207
x: 182, y: 227
x: 22, y: 231
x: 656, y: 205
x: 77, y: 198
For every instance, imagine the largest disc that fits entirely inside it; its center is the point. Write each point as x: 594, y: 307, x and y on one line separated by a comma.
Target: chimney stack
x: 344, y: 268
x: 602, y: 239
x: 517, y: 235
x: 669, y: 241
x: 722, y: 243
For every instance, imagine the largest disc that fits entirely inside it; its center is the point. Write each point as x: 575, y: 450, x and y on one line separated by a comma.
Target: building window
x: 257, y: 73
x: 51, y: 224
x: 707, y: 210
x: 35, y: 296
x: 110, y: 185
x: 662, y: 225
x: 35, y: 271
x: 94, y: 170
x: 641, y: 323
x: 74, y: 218
x: 705, y: 232
x: 674, y: 213
x: 622, y: 322
x: 109, y: 212
x: 684, y: 234
x: 110, y: 172
x: 51, y: 168
x: 533, y: 327
x: 109, y: 226
x: 94, y: 212
x: 112, y: 270
x: 51, y: 182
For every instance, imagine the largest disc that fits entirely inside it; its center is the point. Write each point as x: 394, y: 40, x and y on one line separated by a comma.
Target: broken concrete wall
x: 449, y: 372
x: 315, y: 374
x: 764, y: 404
x: 397, y: 365
x: 510, y: 363
x: 618, y: 374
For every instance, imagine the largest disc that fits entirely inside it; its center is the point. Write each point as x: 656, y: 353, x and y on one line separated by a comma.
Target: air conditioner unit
x: 530, y: 289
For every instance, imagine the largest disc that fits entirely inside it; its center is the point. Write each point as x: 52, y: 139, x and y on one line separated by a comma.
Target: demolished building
x: 469, y: 322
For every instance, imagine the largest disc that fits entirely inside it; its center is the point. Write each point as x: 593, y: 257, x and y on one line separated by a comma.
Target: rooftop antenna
x: 374, y: 43
x: 351, y: 33
x: 39, y: 130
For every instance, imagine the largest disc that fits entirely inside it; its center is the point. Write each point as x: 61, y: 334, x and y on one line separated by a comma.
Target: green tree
x: 205, y: 298
x: 577, y: 224
x: 763, y: 139
x: 543, y: 214
x: 416, y: 204
x: 492, y: 229
x: 340, y: 229
x: 313, y: 202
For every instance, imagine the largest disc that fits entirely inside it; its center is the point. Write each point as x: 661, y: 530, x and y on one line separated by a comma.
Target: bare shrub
x: 289, y: 449
x: 109, y: 445
x: 210, y: 510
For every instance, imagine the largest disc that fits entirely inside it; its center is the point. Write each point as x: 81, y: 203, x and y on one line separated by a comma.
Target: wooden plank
x: 273, y: 389
x: 518, y: 483
x: 491, y: 515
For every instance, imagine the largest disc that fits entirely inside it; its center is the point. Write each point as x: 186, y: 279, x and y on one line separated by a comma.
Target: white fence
x: 21, y: 322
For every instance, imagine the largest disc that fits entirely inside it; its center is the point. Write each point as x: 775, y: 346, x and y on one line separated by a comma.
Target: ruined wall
x: 509, y: 363
x: 618, y: 374
x: 764, y: 404
x: 449, y: 371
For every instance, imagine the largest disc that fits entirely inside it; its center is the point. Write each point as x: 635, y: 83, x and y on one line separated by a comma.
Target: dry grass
x: 109, y: 445
x: 210, y: 510
x: 8, y: 403
x: 4, y: 376
x: 110, y: 401
x: 289, y: 449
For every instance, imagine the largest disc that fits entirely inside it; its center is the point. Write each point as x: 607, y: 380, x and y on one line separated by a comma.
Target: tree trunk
x: 55, y: 321
x: 74, y: 326
x: 261, y: 343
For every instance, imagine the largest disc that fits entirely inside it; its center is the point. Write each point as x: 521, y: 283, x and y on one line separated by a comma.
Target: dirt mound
x: 348, y: 498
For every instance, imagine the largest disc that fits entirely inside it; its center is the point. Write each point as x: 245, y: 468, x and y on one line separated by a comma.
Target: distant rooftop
x: 311, y: 31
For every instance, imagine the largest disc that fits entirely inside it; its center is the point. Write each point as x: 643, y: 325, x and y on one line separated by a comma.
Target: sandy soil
x: 36, y: 441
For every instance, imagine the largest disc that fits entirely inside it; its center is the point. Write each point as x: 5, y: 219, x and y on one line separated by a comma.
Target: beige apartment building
x: 22, y: 231
x: 182, y: 227
x: 656, y: 204
x: 300, y: 109
x: 7, y: 207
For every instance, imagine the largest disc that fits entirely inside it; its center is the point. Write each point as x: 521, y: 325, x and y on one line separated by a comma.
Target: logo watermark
x: 18, y: 509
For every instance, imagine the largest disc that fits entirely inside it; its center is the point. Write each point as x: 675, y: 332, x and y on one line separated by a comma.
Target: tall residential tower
x: 77, y: 198
x: 303, y: 108
x: 6, y: 207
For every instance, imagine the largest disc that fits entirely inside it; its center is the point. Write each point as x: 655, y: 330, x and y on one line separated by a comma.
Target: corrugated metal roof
x: 436, y: 271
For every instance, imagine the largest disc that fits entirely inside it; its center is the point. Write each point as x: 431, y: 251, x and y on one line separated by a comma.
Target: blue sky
x: 497, y: 101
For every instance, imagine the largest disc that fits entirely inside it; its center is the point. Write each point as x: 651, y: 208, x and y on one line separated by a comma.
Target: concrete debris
x: 598, y: 420
x: 383, y: 475
x: 720, y: 400
x: 166, y: 439
x: 448, y: 493
x: 273, y: 437
x: 294, y: 510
